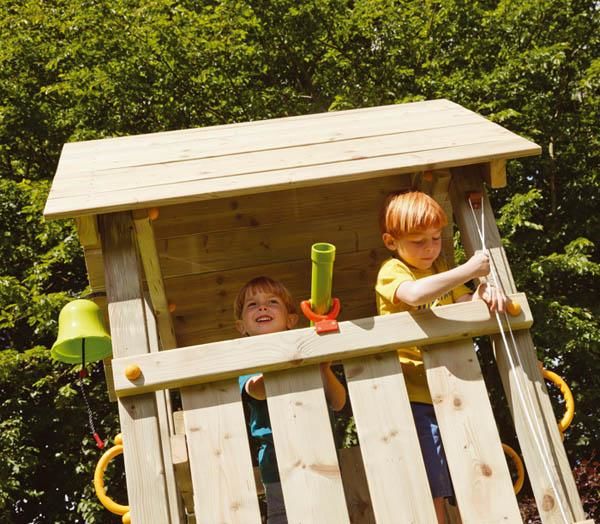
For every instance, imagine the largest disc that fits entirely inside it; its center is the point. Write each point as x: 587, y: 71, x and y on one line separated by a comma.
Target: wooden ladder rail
x: 465, y: 180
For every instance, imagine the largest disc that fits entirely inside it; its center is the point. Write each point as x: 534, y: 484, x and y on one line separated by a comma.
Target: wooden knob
x: 153, y: 213
x: 513, y: 308
x: 133, y: 371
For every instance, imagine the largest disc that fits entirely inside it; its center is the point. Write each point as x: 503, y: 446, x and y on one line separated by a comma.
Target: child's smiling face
x: 264, y: 312
x: 419, y: 249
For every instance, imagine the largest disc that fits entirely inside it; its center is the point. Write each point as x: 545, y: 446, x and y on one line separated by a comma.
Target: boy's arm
x: 424, y: 290
x: 335, y: 393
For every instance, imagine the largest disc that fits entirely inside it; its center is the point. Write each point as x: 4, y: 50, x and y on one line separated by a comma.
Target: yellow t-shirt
x: 391, y: 274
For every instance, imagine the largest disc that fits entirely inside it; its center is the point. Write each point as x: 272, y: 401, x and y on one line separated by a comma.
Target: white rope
x: 528, y: 407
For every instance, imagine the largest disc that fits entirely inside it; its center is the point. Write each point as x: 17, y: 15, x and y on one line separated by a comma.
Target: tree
x: 72, y: 70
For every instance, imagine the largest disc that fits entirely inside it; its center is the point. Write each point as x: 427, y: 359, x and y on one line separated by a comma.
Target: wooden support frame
x: 143, y: 456
x: 549, y: 473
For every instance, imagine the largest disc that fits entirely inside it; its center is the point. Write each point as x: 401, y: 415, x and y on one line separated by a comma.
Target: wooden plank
x: 219, y: 454
x: 495, y: 173
x: 87, y: 230
x: 299, y: 347
x: 356, y: 488
x: 181, y: 145
x: 479, y: 471
x: 147, y: 175
x: 165, y: 424
x: 388, y: 440
x: 545, y: 458
x: 262, y: 209
x: 233, y: 249
x: 154, y: 279
x: 144, y: 462
x: 306, y: 454
x: 361, y: 166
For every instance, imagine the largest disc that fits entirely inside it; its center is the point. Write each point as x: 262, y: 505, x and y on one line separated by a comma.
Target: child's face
x: 264, y: 312
x: 418, y: 249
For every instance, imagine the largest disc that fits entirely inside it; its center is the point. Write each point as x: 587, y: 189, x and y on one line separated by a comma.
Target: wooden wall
x: 209, y: 249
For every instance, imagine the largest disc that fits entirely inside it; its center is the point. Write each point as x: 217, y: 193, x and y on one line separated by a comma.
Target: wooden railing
x: 219, y: 455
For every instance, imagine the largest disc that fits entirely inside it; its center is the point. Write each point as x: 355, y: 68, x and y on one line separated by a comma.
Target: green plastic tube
x: 322, y: 255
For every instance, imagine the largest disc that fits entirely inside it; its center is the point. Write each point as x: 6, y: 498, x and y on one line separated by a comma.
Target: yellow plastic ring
x: 105, y: 500
x: 565, y: 422
x: 518, y: 465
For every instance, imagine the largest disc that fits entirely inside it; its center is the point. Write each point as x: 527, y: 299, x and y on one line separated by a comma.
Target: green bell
x: 82, y: 336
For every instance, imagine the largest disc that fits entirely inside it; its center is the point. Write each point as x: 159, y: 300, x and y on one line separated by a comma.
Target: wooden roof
x: 177, y: 167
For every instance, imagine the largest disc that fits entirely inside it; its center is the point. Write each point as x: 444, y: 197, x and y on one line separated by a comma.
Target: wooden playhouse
x: 172, y: 225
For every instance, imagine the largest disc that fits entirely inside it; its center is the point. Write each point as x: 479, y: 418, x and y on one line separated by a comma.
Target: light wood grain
x: 388, y: 439
x: 87, y: 230
x: 136, y: 172
x: 154, y: 280
x: 495, y: 173
x: 232, y: 358
x: 480, y: 475
x: 220, y: 462
x: 306, y: 454
x: 262, y: 135
x: 544, y: 469
x: 143, y: 457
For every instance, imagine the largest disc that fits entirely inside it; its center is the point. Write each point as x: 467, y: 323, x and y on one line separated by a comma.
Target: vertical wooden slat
x: 144, y: 465
x: 388, y: 439
x: 480, y: 475
x: 545, y: 458
x: 165, y: 418
x: 306, y: 455
x: 219, y: 454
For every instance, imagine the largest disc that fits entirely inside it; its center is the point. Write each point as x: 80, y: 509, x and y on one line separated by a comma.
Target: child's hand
x: 478, y: 265
x: 492, y: 296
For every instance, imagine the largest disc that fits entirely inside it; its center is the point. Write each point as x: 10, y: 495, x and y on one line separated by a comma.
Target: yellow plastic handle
x: 518, y: 464
x: 105, y: 500
x: 565, y: 422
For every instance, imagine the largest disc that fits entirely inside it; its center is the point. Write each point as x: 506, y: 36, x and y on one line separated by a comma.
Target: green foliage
x: 72, y: 70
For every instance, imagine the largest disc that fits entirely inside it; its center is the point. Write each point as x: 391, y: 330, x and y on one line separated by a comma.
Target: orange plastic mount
x: 475, y: 197
x: 323, y: 323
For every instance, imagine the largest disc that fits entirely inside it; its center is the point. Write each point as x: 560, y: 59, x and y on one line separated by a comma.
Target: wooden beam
x: 154, y: 279
x: 143, y: 457
x: 388, y: 440
x: 165, y: 425
x: 494, y: 173
x: 87, y: 230
x: 545, y: 458
x: 231, y: 358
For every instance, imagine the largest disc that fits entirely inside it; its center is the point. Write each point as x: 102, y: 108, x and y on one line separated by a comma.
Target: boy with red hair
x: 416, y: 278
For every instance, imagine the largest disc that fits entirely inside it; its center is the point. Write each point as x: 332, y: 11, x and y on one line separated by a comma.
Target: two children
x: 265, y: 306
x: 416, y: 278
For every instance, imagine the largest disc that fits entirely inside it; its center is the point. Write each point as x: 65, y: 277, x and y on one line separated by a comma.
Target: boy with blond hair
x: 262, y: 306
x: 416, y: 278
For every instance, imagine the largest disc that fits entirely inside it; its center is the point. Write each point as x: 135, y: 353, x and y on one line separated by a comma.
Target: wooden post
x: 545, y: 458
x: 143, y: 457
